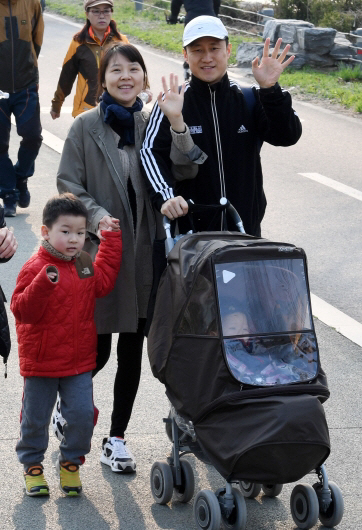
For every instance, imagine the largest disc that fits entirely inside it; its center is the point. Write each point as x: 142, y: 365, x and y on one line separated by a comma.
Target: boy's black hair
x: 63, y: 204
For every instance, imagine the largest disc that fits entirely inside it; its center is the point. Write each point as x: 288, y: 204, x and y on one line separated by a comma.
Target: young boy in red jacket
x: 53, y: 304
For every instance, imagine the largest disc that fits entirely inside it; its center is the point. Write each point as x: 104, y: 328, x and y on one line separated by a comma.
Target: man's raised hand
x: 267, y: 73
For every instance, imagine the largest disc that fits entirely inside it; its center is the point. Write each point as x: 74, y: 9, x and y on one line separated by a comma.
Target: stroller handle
x: 233, y: 214
x: 225, y: 204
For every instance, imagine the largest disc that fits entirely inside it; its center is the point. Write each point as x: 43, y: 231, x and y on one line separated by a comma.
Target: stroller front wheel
x: 334, y: 513
x: 185, y: 491
x: 304, y: 506
x: 236, y: 520
x: 207, y: 510
x: 161, y: 482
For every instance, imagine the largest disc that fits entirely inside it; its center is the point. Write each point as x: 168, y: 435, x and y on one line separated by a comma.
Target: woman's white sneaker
x: 117, y: 455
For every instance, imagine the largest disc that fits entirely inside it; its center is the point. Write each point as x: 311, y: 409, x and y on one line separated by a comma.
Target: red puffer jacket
x: 55, y: 321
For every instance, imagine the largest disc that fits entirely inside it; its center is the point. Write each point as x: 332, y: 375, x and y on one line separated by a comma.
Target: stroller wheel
x: 185, y: 491
x: 236, y: 520
x: 272, y: 490
x: 334, y: 513
x: 161, y: 482
x: 207, y: 511
x: 250, y: 490
x: 304, y: 506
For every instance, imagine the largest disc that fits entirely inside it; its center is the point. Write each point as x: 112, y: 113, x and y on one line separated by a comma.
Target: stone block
x: 247, y: 51
x: 288, y: 33
x: 341, y: 49
x: 316, y: 40
x: 272, y: 27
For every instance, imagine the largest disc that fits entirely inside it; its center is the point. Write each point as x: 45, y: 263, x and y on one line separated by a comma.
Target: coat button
x: 94, y: 131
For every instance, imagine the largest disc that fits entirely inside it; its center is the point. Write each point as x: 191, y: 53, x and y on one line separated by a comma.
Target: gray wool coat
x: 90, y: 167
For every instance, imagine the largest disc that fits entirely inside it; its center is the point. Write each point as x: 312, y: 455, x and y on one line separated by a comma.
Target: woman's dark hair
x: 82, y: 34
x: 128, y: 51
x: 64, y: 204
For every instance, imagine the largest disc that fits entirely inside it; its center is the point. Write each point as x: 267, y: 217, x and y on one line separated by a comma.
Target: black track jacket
x: 222, y: 126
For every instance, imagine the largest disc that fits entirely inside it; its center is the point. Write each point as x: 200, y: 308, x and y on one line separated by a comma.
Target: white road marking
x: 345, y: 325
x: 64, y: 20
x: 49, y: 139
x: 338, y: 186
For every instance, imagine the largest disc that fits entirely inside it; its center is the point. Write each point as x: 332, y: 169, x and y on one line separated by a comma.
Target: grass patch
x: 343, y: 86
x: 148, y: 25
x: 325, y: 85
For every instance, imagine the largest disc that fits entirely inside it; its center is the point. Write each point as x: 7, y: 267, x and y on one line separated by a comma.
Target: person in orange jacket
x: 53, y: 304
x: 83, y: 58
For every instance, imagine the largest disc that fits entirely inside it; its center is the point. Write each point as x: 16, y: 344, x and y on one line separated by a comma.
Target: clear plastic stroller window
x: 264, y: 307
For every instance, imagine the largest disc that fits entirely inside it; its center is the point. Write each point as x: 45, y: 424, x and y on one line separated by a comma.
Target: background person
x: 19, y: 76
x: 100, y: 164
x: 193, y: 9
x: 83, y: 58
x: 212, y: 117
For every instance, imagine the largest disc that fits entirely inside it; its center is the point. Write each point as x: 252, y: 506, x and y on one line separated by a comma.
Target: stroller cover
x: 233, y: 341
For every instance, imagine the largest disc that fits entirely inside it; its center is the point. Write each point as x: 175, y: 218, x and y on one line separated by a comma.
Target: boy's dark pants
x: 25, y: 107
x: 39, y: 397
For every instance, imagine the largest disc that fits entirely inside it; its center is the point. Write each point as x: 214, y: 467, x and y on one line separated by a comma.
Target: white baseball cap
x: 204, y: 26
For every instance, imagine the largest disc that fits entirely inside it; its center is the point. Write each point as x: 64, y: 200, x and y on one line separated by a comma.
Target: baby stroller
x: 233, y: 341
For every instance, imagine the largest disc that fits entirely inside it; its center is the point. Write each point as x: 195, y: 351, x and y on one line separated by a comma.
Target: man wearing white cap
x: 203, y: 141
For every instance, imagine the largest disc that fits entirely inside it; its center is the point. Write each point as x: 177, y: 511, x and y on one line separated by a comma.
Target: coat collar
x: 204, y: 88
x: 102, y: 134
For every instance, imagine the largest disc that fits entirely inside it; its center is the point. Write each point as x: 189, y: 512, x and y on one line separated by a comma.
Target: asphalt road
x: 324, y: 221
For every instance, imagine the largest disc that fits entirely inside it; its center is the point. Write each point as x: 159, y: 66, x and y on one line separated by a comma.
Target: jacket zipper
x: 129, y: 204
x: 75, y: 316
x: 12, y: 45
x: 218, y: 148
x: 262, y: 393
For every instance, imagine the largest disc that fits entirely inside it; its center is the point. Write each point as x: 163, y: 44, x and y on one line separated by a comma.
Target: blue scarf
x: 120, y: 118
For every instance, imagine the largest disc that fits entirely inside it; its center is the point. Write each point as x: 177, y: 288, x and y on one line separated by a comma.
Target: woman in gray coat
x: 100, y: 164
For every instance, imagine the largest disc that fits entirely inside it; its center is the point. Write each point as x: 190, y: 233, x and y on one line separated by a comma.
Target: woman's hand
x: 268, y: 72
x: 172, y: 103
x: 107, y: 223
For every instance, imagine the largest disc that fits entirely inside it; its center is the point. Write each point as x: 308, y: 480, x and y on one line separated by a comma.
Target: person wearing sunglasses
x: 83, y: 58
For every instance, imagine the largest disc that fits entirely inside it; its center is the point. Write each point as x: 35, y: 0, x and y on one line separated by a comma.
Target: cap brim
x: 197, y: 37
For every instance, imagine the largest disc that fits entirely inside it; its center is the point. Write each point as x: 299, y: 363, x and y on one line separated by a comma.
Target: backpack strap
x: 250, y: 101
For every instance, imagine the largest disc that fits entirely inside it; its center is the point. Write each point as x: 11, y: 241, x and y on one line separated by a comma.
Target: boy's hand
x: 107, y: 223
x: 52, y: 273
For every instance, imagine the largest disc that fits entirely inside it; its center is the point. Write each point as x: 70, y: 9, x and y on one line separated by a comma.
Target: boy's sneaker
x: 35, y: 483
x: 58, y: 421
x: 24, y: 194
x: 116, y: 454
x: 69, y: 480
